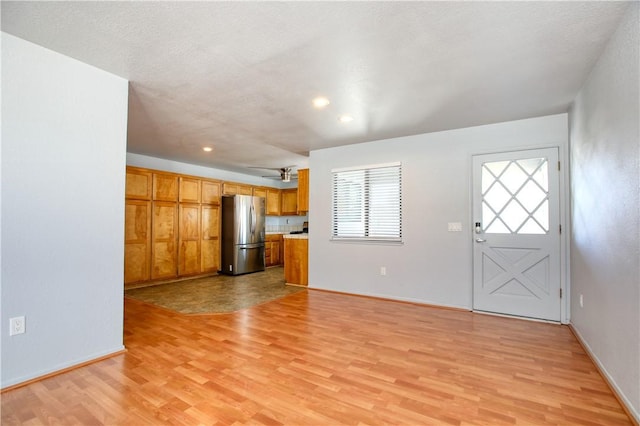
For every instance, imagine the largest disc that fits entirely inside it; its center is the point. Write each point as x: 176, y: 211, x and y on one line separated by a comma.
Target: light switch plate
x: 455, y: 227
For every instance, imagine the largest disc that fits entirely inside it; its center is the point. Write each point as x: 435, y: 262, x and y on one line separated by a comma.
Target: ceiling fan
x: 285, y: 173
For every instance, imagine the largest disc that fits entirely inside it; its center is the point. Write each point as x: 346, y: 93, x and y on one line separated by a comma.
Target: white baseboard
x: 60, y: 368
x: 626, y: 404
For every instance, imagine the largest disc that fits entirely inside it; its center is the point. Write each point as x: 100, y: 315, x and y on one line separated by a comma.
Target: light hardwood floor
x: 317, y: 358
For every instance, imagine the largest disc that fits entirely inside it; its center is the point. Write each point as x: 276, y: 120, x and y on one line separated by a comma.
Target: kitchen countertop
x: 296, y: 236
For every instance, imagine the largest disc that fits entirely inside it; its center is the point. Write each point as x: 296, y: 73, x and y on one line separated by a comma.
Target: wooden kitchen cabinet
x: 210, y: 234
x: 189, y: 190
x: 272, y: 199
x: 260, y: 191
x: 164, y: 229
x: 289, y: 202
x: 138, y: 184
x: 211, y: 192
x: 303, y: 191
x: 273, y: 250
x: 172, y: 223
x: 137, y: 240
x: 232, y: 188
x: 296, y: 258
x: 273, y: 202
x: 189, y: 239
x: 165, y: 187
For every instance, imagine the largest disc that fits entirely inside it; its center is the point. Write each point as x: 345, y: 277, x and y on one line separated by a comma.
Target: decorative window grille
x: 515, y: 196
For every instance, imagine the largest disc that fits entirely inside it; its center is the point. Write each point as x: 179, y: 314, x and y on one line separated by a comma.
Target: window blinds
x: 367, y: 203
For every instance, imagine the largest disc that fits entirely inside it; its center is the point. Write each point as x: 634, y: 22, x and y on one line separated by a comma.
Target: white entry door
x: 516, y: 256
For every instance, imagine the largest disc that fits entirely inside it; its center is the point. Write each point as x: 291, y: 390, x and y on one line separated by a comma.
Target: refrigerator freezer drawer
x: 246, y: 259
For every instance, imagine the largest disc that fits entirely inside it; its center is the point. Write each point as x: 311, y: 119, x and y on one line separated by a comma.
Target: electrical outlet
x: 383, y: 270
x: 16, y: 326
x: 581, y: 301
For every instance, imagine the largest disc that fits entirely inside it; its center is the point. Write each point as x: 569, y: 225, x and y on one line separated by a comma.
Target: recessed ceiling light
x: 320, y: 102
x: 207, y: 149
x: 345, y: 118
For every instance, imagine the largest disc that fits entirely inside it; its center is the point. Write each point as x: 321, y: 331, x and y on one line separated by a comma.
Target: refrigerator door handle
x: 254, y: 219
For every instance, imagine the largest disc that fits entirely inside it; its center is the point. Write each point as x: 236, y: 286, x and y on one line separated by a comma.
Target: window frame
x: 366, y: 209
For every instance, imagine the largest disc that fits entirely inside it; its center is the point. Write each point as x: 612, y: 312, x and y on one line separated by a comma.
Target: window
x: 367, y: 203
x: 515, y: 196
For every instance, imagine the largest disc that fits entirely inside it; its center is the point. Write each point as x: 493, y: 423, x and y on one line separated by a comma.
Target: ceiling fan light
x: 286, y: 176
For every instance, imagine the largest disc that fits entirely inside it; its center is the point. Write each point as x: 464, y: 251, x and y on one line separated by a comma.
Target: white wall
x: 63, y: 162
x: 605, y: 245
x: 433, y: 265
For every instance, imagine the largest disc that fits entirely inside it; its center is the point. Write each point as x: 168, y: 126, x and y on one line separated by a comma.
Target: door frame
x: 564, y: 217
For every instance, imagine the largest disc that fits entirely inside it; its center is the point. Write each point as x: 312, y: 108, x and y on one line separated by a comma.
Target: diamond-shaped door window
x: 513, y: 177
x: 515, y: 196
x: 531, y: 195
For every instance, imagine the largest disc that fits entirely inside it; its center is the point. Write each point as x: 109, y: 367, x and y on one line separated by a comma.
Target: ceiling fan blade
x: 271, y: 168
x: 280, y: 177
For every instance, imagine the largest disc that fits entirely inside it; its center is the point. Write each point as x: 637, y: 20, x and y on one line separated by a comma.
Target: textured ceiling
x: 240, y: 76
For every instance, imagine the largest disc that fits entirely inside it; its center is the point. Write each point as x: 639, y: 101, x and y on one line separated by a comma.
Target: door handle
x: 480, y: 240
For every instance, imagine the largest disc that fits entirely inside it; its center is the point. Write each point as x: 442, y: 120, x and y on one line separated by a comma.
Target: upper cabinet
x: 289, y: 202
x: 273, y: 202
x: 272, y: 199
x: 165, y: 187
x: 260, y: 191
x: 232, y: 188
x: 211, y: 192
x: 138, y: 184
x: 189, y: 190
x: 303, y: 191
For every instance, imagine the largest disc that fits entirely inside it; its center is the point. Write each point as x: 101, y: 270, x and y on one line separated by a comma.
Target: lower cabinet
x: 273, y: 250
x: 296, y: 254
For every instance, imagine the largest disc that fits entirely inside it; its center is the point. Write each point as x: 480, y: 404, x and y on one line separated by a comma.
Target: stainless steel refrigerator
x: 242, y: 234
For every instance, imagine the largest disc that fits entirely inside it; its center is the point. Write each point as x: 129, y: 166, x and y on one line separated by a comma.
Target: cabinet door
x: 233, y: 188
x: 210, y: 192
x: 260, y: 192
x: 296, y: 253
x: 267, y: 253
x: 189, y: 239
x: 138, y: 184
x: 189, y: 190
x: 210, y: 239
x: 245, y: 190
x: 289, y: 202
x: 303, y: 190
x: 164, y: 256
x: 229, y: 188
x: 273, y: 202
x: 275, y: 253
x: 137, y: 238
x: 165, y: 187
